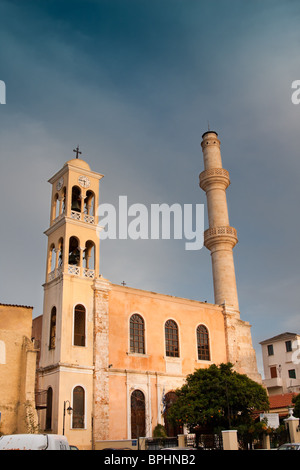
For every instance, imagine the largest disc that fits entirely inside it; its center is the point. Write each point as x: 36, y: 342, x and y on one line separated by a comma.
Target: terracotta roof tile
x: 281, y: 401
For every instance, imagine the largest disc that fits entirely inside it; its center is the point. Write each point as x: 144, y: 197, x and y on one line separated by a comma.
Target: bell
x: 76, y: 206
x: 74, y: 257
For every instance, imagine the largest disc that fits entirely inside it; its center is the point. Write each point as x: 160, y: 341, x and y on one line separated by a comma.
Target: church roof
x: 79, y: 163
x: 15, y: 305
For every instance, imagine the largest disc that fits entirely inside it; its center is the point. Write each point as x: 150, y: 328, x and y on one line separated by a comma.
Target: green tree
x: 296, y: 401
x: 218, y: 398
x: 159, y: 431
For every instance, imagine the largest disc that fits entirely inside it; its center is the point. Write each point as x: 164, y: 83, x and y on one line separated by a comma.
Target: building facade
x: 112, y: 356
x: 17, y: 370
x: 281, y: 362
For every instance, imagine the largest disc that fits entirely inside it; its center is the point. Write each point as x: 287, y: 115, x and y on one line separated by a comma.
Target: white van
x: 34, y: 442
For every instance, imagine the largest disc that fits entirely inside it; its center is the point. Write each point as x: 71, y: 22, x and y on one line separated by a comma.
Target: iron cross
x: 77, y: 151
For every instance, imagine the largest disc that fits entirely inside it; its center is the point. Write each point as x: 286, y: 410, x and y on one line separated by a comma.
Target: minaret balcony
x: 214, y: 176
x: 221, y: 234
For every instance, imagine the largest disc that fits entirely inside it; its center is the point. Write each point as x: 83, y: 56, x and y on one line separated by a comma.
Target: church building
x: 112, y: 356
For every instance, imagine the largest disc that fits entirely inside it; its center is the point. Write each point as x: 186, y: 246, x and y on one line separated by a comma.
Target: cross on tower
x: 77, y: 151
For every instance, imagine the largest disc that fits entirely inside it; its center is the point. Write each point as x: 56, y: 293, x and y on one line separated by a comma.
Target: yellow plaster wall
x: 17, y: 370
x: 150, y: 372
x: 156, y: 309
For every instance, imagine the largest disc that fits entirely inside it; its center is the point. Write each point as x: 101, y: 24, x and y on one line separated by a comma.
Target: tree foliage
x: 296, y: 401
x: 159, y: 431
x: 218, y: 397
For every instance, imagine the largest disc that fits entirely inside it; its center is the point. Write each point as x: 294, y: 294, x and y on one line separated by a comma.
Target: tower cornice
x: 82, y: 171
x: 65, y: 219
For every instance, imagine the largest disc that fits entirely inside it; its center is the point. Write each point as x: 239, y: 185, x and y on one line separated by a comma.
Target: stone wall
x: 101, y: 358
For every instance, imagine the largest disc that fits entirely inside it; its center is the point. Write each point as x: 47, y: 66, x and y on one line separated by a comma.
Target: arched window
x: 78, y: 408
x: 172, y: 428
x: 137, y: 334
x: 49, y: 409
x: 172, y: 341
x: 138, y: 414
x: 52, y: 328
x: 79, y: 326
x: 203, y: 343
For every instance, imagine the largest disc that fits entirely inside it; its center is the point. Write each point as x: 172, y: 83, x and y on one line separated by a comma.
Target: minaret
x: 220, y: 237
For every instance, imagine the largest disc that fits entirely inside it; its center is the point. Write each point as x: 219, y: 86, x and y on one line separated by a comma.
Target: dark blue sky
x: 134, y: 84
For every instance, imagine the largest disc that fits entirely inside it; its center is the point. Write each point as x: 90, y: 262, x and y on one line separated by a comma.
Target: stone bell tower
x: 73, y: 290
x: 220, y: 238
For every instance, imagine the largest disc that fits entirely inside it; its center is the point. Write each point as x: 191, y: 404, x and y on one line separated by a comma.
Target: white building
x: 281, y: 361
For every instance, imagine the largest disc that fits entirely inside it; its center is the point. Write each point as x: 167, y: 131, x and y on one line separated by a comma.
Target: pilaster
x: 101, y: 288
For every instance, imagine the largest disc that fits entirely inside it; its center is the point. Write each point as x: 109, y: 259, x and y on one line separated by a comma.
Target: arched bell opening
x: 52, y: 336
x: 89, y: 255
x: 74, y: 252
x: 60, y: 252
x: 55, y: 207
x: 89, y: 203
x: 76, y: 199
x: 64, y: 195
x: 52, y: 261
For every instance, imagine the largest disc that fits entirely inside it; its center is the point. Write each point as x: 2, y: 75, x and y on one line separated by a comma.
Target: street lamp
x: 69, y: 410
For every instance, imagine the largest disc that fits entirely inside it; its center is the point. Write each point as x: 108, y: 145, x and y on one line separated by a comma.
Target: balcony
x: 75, y: 271
x: 90, y: 273
x: 274, y: 382
x: 89, y: 219
x: 54, y: 274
